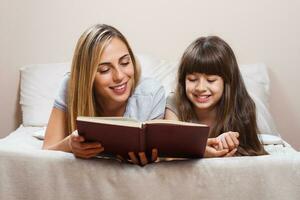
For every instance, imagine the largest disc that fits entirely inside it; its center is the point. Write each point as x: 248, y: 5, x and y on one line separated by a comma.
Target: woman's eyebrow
x: 108, y: 63
x: 124, y: 56
x: 105, y: 63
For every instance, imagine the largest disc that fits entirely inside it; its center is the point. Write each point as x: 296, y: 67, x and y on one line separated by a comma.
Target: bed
x: 27, y: 172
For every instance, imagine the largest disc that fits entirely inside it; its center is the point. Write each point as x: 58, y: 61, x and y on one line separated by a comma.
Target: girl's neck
x: 207, y: 117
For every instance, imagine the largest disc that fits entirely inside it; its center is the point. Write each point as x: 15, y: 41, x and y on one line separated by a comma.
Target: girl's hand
x: 228, y: 140
x: 83, y: 149
x: 211, y: 149
x: 143, y: 158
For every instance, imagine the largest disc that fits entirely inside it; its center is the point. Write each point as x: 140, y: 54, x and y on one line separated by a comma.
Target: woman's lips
x: 119, y: 89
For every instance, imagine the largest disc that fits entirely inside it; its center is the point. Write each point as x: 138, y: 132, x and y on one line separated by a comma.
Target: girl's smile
x: 201, y: 98
x: 204, y: 91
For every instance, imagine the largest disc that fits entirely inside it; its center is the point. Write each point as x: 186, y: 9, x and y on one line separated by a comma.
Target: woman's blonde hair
x: 81, y: 99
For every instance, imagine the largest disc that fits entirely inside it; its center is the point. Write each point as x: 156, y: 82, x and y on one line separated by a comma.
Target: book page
x: 120, y: 121
x: 165, y: 121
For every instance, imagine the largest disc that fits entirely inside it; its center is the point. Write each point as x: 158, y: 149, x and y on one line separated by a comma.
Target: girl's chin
x: 202, y: 106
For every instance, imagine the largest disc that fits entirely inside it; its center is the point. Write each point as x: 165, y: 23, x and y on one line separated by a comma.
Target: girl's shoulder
x: 171, y: 103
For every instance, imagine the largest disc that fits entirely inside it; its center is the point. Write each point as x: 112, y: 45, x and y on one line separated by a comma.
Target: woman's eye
x: 103, y: 69
x: 125, y: 63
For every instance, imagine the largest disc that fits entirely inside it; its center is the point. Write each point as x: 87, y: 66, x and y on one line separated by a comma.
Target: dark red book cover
x: 185, y: 140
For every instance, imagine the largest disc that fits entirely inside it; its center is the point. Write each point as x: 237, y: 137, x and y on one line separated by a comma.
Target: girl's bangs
x: 206, y: 63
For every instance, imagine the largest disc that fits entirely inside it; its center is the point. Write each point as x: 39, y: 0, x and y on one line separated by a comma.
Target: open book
x: 120, y: 135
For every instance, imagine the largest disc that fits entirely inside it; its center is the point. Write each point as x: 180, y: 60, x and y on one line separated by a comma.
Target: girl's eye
x: 192, y: 79
x: 211, y: 80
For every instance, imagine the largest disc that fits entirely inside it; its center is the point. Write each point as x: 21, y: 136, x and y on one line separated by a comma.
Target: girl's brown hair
x: 81, y: 99
x: 236, y: 110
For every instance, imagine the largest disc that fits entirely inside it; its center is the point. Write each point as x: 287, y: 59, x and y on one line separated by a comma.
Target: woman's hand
x: 143, y: 158
x: 83, y: 149
x: 229, y: 140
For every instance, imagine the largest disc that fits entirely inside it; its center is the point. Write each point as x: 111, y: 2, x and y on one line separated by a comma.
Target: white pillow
x: 257, y: 82
x: 162, y: 70
x: 40, y: 84
x: 39, y: 87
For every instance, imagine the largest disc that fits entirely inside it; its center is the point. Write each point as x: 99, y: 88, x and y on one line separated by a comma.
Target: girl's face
x: 204, y: 91
x: 115, y: 74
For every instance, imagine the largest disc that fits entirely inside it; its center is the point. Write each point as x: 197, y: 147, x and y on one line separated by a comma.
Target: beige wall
x: 268, y: 31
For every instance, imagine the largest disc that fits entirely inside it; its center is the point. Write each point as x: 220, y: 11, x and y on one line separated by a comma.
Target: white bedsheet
x: 27, y: 172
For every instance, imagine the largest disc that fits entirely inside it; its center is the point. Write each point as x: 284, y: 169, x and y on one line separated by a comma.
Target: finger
x: 133, y: 158
x: 236, y: 134
x: 229, y: 142
x: 88, y: 152
x: 154, y: 155
x: 88, y: 145
x: 212, y: 141
x: 235, y: 139
x: 211, y: 152
x: 143, y: 158
x: 76, y: 138
x: 120, y: 158
x: 220, y: 145
x: 220, y: 153
x: 231, y: 153
x: 224, y: 143
x: 87, y: 156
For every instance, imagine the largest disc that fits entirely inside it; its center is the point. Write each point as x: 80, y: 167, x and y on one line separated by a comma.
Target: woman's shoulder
x: 148, y: 86
x: 65, y: 79
x: 147, y: 102
x: 60, y: 101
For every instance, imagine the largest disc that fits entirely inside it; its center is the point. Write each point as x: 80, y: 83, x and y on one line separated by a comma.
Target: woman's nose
x: 118, y: 75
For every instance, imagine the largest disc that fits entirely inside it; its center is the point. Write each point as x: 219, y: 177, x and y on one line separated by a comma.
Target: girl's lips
x: 202, y: 98
x: 119, y: 89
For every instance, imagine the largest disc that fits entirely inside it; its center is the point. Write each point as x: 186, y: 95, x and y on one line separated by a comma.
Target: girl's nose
x: 201, y: 86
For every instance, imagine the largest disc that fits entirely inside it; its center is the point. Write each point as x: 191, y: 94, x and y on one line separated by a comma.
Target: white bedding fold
x: 26, y: 172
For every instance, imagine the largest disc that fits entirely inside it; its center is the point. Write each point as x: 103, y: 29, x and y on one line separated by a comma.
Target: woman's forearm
x: 62, y: 145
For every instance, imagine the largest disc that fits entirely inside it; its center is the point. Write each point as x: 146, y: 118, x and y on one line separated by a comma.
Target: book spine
x: 143, y: 138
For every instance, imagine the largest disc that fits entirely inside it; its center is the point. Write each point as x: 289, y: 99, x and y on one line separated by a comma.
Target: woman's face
x: 115, y: 74
x: 204, y: 91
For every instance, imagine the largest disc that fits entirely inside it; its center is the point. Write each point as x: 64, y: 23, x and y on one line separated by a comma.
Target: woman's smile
x: 119, y: 89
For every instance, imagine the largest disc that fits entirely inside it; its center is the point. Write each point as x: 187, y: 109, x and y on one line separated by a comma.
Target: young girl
x: 104, y: 81
x: 211, y: 91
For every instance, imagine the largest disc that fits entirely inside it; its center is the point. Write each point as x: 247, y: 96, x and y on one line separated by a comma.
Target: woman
x: 104, y: 81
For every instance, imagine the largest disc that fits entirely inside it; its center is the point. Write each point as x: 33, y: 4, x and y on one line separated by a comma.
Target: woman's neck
x: 111, y: 109
x: 207, y: 117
